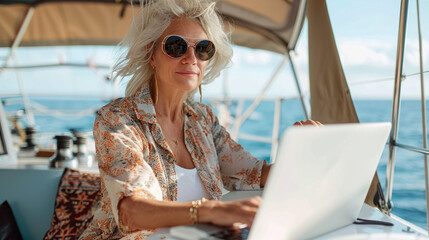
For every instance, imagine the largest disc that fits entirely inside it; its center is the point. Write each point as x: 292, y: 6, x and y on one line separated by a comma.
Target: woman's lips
x: 186, y: 73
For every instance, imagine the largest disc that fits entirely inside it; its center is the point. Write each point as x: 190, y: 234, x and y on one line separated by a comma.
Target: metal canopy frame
x: 393, y: 144
x: 396, y: 104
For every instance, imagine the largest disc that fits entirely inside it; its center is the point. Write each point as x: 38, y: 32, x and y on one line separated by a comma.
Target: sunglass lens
x: 205, y: 50
x: 175, y: 46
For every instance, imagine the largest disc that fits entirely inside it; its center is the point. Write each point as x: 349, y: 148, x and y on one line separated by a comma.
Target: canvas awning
x: 272, y: 25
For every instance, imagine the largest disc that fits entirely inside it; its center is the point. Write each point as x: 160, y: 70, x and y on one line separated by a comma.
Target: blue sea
x: 409, y: 186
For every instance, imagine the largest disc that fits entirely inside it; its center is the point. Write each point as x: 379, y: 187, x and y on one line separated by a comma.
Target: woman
x: 161, y: 154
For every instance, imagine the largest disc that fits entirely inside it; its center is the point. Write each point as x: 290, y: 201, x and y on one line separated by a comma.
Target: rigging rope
x: 387, y: 79
x: 40, y: 109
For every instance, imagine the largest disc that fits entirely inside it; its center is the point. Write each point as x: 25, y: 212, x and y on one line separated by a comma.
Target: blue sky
x: 365, y: 32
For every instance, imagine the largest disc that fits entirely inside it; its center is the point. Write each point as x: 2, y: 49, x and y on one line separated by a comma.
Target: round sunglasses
x: 176, y: 46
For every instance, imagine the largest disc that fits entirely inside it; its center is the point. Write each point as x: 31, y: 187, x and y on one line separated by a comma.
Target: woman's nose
x: 190, y: 57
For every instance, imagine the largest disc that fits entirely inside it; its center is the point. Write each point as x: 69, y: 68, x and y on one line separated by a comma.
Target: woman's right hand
x: 229, y: 213
x: 308, y: 122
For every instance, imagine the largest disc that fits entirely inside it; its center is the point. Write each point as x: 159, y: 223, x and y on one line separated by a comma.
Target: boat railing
x: 234, y: 124
x: 241, y: 117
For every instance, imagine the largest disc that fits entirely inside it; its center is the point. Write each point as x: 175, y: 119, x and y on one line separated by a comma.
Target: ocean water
x: 409, y: 188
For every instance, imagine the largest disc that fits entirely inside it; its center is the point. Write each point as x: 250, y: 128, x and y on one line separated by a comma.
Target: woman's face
x: 186, y: 72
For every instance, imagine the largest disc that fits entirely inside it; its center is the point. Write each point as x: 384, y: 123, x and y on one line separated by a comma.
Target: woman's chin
x: 188, y: 85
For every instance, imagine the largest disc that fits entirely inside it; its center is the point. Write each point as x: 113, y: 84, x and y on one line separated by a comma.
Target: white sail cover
x: 331, y: 101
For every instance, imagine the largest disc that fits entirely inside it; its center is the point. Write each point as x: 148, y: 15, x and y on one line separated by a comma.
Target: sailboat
x: 273, y: 26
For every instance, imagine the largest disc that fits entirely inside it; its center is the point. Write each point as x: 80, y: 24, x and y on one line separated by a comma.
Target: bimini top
x: 270, y: 24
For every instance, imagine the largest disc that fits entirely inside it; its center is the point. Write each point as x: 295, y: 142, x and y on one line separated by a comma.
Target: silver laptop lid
x: 320, y: 180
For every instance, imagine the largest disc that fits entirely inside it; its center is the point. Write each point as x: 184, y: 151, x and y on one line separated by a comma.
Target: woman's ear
x: 152, y: 60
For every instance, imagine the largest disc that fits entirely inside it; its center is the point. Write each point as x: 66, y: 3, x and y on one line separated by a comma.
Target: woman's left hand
x: 308, y: 122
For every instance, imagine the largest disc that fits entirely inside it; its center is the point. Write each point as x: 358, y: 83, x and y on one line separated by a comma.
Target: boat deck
x: 401, y: 230
x: 42, y: 163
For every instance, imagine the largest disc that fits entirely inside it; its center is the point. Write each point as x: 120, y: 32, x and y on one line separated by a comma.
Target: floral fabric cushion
x: 77, y: 199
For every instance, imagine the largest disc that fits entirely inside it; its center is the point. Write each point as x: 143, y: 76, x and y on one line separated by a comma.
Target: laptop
x: 318, y: 183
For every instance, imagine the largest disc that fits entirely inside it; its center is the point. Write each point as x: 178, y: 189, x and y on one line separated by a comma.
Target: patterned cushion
x: 77, y: 198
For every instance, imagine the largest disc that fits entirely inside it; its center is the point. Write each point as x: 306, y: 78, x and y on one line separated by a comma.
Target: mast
x: 395, y: 106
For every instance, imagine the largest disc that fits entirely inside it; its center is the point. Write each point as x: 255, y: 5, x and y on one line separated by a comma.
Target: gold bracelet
x: 193, y: 211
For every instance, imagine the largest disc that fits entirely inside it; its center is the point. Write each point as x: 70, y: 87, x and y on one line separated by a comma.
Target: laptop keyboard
x: 231, y: 234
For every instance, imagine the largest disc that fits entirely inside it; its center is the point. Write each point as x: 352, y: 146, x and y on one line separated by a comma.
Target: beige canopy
x: 273, y: 25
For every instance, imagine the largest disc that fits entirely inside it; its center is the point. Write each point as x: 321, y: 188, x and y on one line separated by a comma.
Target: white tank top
x: 189, y: 185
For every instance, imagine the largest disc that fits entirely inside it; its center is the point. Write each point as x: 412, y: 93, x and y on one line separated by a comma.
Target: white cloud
x: 364, y: 52
x: 354, y: 52
x: 258, y: 57
x: 236, y: 59
x: 300, y: 55
x: 412, y: 52
x: 251, y: 58
x: 264, y: 57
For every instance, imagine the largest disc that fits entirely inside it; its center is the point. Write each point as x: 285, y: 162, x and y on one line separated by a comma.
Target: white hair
x: 148, y: 26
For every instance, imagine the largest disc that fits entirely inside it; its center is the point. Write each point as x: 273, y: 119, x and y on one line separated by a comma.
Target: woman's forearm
x: 137, y: 213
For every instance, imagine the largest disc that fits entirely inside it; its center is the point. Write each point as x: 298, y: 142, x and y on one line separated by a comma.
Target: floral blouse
x: 135, y: 159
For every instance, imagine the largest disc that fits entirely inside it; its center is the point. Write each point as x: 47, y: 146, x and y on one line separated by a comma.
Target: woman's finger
x: 299, y: 124
x: 236, y: 212
x: 252, y: 202
x: 313, y: 122
x: 307, y: 122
